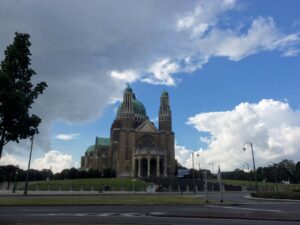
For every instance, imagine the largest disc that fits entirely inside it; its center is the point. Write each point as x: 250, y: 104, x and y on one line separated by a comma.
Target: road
x: 240, y: 211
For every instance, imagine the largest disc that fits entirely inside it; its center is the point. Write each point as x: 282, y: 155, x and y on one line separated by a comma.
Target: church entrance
x: 153, y: 166
x: 144, y: 167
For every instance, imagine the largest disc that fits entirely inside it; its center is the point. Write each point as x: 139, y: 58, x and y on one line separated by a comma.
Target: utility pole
x: 220, y: 184
x: 205, y: 186
x: 194, y: 189
x: 27, y: 174
x: 254, y: 170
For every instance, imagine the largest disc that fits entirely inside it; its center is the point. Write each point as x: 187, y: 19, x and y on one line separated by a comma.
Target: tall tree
x: 17, y: 93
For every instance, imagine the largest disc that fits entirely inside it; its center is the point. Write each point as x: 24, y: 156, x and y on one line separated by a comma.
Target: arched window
x: 146, y: 142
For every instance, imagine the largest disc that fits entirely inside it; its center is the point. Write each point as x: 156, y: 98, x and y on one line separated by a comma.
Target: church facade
x: 136, y: 148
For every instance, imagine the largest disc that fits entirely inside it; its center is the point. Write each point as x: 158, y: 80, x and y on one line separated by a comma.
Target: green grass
x: 102, y: 200
x: 117, y: 184
x: 277, y: 195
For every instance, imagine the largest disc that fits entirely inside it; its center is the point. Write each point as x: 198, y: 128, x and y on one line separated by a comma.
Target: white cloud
x: 291, y: 52
x: 272, y: 126
x: 184, y: 157
x: 53, y: 159
x: 66, y: 137
x: 204, y: 16
x: 161, y: 72
x: 262, y: 35
x: 10, y: 159
x: 128, y: 75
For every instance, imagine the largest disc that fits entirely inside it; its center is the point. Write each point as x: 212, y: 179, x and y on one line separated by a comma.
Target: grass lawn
x: 116, y: 184
x: 102, y: 200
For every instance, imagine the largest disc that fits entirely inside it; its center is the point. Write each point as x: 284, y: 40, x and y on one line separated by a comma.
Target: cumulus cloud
x: 128, y: 75
x: 10, y: 159
x: 161, y: 72
x: 66, y: 137
x: 53, y: 159
x: 272, y: 126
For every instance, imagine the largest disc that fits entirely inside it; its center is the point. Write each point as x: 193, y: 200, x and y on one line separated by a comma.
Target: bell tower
x: 127, y: 110
x: 165, y: 114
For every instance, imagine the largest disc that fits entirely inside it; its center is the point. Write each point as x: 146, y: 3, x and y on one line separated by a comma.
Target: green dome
x: 128, y: 89
x: 89, y: 150
x: 165, y: 93
x: 138, y: 107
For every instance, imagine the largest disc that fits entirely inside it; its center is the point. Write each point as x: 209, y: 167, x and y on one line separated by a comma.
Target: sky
x: 231, y: 67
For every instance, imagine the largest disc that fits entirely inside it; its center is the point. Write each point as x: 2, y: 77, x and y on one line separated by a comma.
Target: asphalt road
x: 240, y: 211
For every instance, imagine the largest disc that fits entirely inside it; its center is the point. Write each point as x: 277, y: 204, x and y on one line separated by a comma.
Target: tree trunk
x: 1, y: 148
x: 1, y: 143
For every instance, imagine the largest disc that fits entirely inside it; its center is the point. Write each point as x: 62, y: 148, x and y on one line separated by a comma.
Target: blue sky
x: 231, y: 69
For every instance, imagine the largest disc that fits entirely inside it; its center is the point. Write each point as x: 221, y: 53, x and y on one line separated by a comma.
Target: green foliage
x: 277, y: 195
x: 17, y: 93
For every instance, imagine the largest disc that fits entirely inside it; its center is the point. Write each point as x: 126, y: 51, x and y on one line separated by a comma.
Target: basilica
x: 136, y: 147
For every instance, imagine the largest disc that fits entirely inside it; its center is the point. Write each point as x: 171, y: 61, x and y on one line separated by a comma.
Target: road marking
x: 80, y: 214
x: 132, y: 214
x: 91, y: 214
x: 38, y: 210
x: 250, y: 209
x: 107, y: 214
x: 157, y: 213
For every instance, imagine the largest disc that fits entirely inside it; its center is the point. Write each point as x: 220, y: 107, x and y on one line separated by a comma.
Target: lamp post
x: 194, y: 190
x: 16, y: 179
x: 245, y: 163
x: 199, y: 166
x: 27, y: 174
x: 212, y: 177
x: 254, y: 170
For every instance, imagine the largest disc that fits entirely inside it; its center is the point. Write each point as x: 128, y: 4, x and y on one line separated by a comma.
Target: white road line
x: 106, y: 214
x: 38, y: 210
x: 132, y: 214
x: 250, y: 209
x: 157, y: 213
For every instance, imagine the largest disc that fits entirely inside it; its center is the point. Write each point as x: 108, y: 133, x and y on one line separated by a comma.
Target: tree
x: 17, y: 93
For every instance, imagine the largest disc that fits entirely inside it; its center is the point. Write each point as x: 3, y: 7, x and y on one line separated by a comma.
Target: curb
x: 224, y: 217
x: 272, y: 199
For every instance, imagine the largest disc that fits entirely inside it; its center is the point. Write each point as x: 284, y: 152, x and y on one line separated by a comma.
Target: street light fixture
x: 254, y: 170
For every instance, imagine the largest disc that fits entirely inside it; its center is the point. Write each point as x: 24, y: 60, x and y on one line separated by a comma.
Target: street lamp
x: 16, y: 179
x: 198, y: 161
x: 199, y: 166
x: 194, y: 190
x: 212, y: 177
x: 245, y: 163
x: 244, y: 148
x: 27, y: 174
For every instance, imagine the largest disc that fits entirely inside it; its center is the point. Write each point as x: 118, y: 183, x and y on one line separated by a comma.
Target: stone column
x: 133, y: 167
x: 139, y: 167
x: 157, y: 167
x: 148, y: 167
